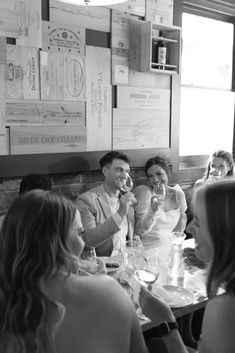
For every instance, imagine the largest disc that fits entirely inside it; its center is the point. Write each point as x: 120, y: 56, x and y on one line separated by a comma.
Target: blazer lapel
x: 103, y: 201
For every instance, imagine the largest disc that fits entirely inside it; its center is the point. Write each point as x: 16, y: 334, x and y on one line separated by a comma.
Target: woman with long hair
x: 213, y: 228
x: 44, y: 306
x: 220, y: 165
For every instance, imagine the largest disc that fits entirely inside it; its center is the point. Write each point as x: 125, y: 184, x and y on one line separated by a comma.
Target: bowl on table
x: 113, y: 263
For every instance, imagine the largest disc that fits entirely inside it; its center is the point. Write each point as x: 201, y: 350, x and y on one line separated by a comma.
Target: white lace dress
x: 154, y: 228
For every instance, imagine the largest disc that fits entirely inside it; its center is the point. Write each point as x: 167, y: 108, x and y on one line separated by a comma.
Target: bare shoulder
x: 218, y: 325
x: 176, y: 189
x: 99, y: 316
x: 222, y: 306
x: 101, y: 290
x: 141, y: 190
x: 199, y: 183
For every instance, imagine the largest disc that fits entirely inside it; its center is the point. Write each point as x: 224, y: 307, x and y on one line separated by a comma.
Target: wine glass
x: 127, y: 185
x: 177, y: 238
x: 160, y: 191
x: 214, y: 175
x: 160, y: 194
x: 89, y: 259
x: 145, y: 278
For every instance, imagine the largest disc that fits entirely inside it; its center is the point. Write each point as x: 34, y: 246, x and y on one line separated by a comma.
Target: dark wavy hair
x: 110, y: 156
x: 220, y: 206
x: 226, y: 156
x: 32, y: 248
x: 35, y: 181
x: 162, y: 162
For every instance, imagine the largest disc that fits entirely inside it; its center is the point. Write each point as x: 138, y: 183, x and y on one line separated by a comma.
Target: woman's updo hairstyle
x: 162, y: 162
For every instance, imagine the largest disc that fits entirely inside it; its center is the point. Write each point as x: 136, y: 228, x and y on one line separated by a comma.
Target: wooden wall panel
x: 30, y: 24
x: 97, y: 18
x: 22, y: 72
x: 41, y: 139
x: 99, y: 107
x: 9, y: 18
x: 140, y: 128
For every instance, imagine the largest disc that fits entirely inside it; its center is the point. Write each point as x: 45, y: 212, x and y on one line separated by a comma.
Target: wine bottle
x: 161, y: 53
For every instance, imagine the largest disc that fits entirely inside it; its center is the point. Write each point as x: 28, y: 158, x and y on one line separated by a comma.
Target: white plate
x: 174, y: 296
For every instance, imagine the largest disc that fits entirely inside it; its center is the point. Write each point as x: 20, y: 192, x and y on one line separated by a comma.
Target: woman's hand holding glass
x: 154, y: 308
x: 101, y: 267
x: 158, y: 199
x: 89, y: 260
x: 215, y: 175
x: 154, y: 204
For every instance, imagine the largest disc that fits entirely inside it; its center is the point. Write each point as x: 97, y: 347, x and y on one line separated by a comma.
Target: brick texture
x: 69, y: 185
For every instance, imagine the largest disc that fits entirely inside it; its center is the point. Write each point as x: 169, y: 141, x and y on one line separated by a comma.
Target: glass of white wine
x: 146, y: 278
x: 160, y: 194
x: 127, y: 185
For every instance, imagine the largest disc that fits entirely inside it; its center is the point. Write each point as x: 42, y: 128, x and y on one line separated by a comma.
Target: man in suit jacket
x: 107, y: 214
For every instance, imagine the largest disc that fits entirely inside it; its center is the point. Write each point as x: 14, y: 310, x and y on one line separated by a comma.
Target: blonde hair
x: 32, y: 248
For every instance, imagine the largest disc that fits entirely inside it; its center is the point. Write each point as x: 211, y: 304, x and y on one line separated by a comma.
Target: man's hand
x: 101, y: 268
x: 126, y: 200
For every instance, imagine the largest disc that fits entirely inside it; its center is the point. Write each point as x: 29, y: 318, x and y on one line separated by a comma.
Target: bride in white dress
x: 155, y: 218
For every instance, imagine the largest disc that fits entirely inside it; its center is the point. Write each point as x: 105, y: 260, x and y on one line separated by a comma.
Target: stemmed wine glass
x: 89, y: 257
x: 127, y: 185
x: 145, y: 278
x: 214, y: 176
x: 160, y: 194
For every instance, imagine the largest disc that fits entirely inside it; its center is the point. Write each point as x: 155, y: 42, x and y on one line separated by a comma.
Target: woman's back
x: 99, y: 316
x: 218, y: 325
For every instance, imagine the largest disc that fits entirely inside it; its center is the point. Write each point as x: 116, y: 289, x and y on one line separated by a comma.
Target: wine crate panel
x: 160, y: 11
x: 133, y: 7
x: 30, y: 24
x: 22, y: 72
x: 57, y: 112
x: 2, y: 78
x: 62, y: 76
x: 120, y: 47
x: 63, y: 38
x: 4, y: 140
x: 97, y: 18
x: 9, y: 18
x: 47, y: 139
x: 99, y: 110
x: 140, y: 128
x: 62, y: 112
x: 143, y: 98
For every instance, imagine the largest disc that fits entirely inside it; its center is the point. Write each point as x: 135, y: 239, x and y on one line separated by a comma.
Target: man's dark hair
x: 110, y: 156
x: 35, y: 181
